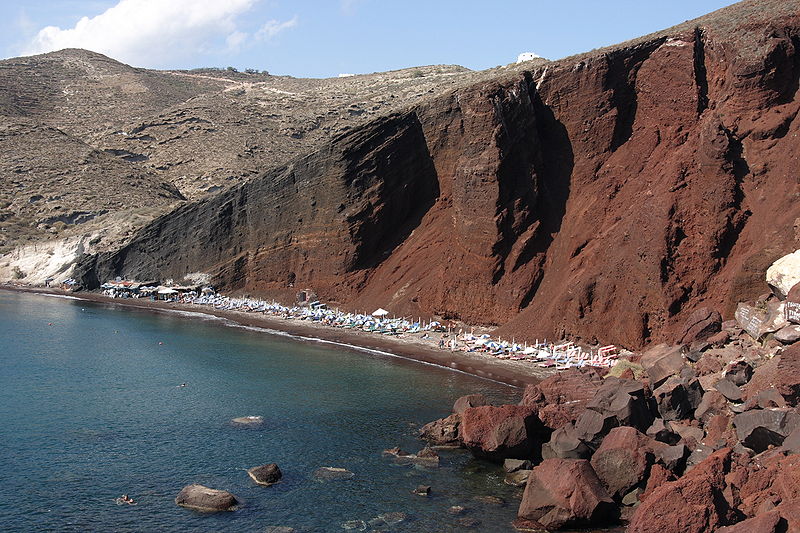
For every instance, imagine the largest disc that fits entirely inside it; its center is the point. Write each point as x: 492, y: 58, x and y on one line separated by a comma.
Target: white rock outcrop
x: 34, y: 263
x: 784, y: 273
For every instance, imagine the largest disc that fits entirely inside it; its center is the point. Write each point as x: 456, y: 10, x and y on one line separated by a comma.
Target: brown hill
x: 199, y: 131
x: 604, y: 196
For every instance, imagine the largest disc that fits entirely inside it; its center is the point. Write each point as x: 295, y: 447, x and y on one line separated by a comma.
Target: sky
x: 324, y: 38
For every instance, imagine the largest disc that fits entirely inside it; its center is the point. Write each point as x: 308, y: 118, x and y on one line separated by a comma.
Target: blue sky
x: 323, y: 38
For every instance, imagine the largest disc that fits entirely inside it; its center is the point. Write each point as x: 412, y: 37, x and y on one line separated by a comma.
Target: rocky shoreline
x: 703, y: 435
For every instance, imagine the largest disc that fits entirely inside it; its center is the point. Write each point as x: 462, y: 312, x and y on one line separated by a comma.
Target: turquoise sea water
x: 90, y: 408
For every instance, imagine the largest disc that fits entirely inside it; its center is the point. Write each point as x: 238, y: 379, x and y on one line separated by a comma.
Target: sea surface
x: 91, y: 407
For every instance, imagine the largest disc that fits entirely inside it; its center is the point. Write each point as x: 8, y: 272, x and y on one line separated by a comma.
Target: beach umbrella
x: 380, y: 312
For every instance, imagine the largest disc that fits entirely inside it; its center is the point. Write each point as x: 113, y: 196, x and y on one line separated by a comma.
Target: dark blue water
x: 90, y: 408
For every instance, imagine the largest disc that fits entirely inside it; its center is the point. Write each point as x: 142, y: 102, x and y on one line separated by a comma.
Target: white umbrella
x: 166, y: 290
x: 380, y: 312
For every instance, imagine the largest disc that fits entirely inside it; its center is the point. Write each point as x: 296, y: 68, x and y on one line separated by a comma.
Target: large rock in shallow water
x: 564, y: 493
x: 442, y: 432
x: 693, y: 504
x: 502, y: 432
x: 201, y: 498
x: 266, y: 474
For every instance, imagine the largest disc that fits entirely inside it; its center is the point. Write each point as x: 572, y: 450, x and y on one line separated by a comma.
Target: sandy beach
x: 407, y: 346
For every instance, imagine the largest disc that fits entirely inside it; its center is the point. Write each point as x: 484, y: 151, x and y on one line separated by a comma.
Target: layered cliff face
x: 603, y: 196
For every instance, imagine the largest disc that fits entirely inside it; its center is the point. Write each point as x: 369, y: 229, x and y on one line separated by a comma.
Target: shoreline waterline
x: 508, y: 372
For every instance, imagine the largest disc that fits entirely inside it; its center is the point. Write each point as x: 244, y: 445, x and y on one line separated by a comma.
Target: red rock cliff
x: 603, y: 196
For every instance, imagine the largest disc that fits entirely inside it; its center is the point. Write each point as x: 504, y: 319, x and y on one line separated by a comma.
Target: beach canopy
x: 380, y: 312
x: 166, y: 290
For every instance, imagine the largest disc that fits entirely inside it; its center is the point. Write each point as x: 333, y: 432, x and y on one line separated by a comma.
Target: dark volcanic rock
x: 661, y: 362
x: 205, y: 499
x: 739, y: 372
x: 565, y: 494
x: 442, y: 432
x: 678, y: 398
x: 503, y: 432
x: 266, y: 474
x: 567, y: 443
x: 713, y: 403
x: 625, y: 401
x: 759, y: 429
x: 662, y: 432
x: 701, y: 325
x: 729, y: 390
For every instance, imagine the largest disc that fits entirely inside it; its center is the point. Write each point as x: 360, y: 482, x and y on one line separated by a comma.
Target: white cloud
x: 273, y: 27
x: 156, y: 33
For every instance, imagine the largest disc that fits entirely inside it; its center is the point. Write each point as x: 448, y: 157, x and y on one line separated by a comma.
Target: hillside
x: 603, y: 196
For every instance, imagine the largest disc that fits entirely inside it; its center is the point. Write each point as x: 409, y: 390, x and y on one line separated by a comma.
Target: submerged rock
x: 201, y: 498
x: 327, y: 473
x: 248, y: 420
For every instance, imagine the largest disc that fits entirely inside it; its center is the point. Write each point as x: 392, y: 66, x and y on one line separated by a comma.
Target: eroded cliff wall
x: 603, y: 196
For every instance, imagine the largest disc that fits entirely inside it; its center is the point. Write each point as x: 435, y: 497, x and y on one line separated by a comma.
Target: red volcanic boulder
x: 776, y: 480
x: 701, y: 325
x: 764, y: 377
x: 442, y: 432
x: 470, y: 400
x: 658, y: 476
x: 564, y: 494
x: 790, y: 513
x: 788, y: 374
x: 623, y: 460
x: 562, y: 397
x: 502, y: 432
x: 693, y: 504
x: 764, y: 523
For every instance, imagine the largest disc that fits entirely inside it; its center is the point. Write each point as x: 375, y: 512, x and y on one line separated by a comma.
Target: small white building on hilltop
x: 527, y: 56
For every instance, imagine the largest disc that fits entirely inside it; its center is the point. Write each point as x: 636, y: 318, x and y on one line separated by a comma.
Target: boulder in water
x: 201, y: 498
x: 266, y: 474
